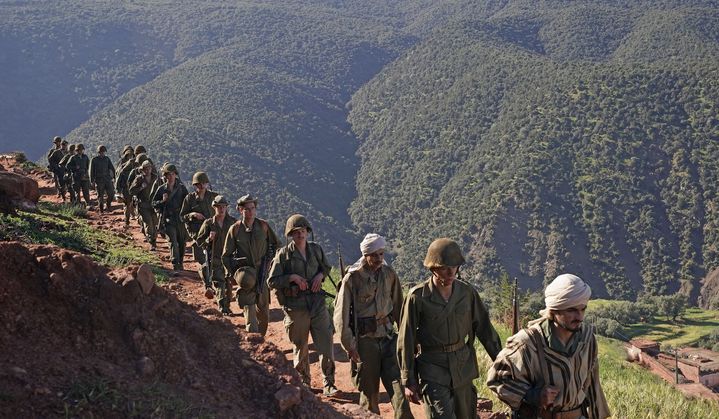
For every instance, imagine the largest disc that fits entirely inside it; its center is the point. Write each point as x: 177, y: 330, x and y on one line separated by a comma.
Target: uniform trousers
x: 378, y: 361
x: 299, y: 324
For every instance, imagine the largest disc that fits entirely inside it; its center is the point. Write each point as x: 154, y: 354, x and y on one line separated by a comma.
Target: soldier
x: 167, y: 201
x: 249, y: 241
x: 442, y: 316
x: 141, y: 188
x: 67, y: 176
x: 550, y: 369
x: 196, y: 208
x: 127, y: 154
x: 79, y: 165
x: 212, y: 236
x: 54, y: 156
x: 366, y: 310
x: 122, y: 183
x: 298, y: 270
x: 102, y: 174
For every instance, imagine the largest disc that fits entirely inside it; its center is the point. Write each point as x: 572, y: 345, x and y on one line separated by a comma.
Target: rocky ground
x: 79, y: 339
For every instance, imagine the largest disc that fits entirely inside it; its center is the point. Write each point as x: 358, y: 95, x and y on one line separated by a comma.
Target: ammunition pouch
x: 366, y: 325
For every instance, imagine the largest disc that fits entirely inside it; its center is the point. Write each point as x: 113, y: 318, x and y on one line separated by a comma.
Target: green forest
x: 544, y: 136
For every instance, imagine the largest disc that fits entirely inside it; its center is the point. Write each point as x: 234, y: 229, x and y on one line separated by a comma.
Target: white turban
x: 566, y: 291
x: 371, y: 243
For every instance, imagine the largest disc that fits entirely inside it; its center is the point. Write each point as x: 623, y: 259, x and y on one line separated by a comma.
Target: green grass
x: 98, y: 396
x: 64, y: 225
x: 631, y: 391
x: 686, y: 331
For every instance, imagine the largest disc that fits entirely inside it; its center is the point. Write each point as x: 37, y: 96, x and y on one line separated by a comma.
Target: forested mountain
x: 253, y: 92
x: 551, y: 137
x: 546, y: 136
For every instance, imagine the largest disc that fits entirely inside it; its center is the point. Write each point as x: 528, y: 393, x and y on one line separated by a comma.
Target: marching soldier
x: 296, y: 276
x: 54, y: 156
x: 196, y: 208
x: 366, y: 311
x: 167, y: 201
x: 79, y: 166
x: 122, y: 182
x: 67, y: 176
x: 249, y: 241
x: 442, y: 317
x: 568, y: 387
x: 212, y: 236
x: 141, y: 188
x: 102, y: 174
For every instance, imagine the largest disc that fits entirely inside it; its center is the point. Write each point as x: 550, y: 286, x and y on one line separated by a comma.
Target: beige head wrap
x: 371, y: 243
x: 566, y: 291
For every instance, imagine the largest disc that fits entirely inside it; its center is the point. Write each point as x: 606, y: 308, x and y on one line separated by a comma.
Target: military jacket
x: 141, y: 187
x: 288, y: 261
x: 371, y: 294
x: 170, y: 209
x: 122, y: 175
x: 217, y: 245
x: 444, y: 333
x: 251, y: 245
x: 79, y: 164
x: 193, y: 203
x: 101, y: 169
x: 54, y: 156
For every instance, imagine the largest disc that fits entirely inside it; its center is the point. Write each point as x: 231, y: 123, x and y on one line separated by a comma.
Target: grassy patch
x: 631, y: 391
x: 687, y: 330
x: 64, y: 225
x: 98, y: 396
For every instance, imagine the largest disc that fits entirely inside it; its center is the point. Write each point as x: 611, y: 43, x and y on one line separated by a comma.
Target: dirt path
x: 189, y: 288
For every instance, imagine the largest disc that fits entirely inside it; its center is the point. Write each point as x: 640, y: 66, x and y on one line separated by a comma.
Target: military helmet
x: 246, y: 199
x: 57, y: 140
x: 169, y: 168
x: 101, y: 149
x: 246, y: 277
x: 71, y: 147
x: 128, y: 153
x: 140, y: 158
x: 219, y: 200
x: 64, y: 142
x: 200, y: 177
x: 80, y: 147
x: 140, y: 149
x: 126, y: 148
x: 145, y: 164
x: 295, y: 222
x: 443, y: 252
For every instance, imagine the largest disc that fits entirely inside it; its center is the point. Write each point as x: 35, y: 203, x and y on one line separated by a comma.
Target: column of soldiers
x: 420, y: 346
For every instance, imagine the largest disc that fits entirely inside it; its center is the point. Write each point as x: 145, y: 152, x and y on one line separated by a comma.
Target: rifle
x: 515, y: 309
x: 264, y: 271
x: 342, y: 262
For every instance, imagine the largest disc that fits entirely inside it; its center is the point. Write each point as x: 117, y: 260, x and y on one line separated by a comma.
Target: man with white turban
x: 550, y: 369
x: 367, y: 309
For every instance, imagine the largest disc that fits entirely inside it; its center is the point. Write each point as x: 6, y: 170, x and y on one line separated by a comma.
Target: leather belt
x: 442, y: 348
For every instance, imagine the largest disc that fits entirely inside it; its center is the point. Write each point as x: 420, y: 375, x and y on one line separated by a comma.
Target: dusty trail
x: 189, y: 288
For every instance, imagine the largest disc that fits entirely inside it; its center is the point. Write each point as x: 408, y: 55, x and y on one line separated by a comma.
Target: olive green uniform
x: 306, y: 312
x: 372, y: 300
x: 251, y: 244
x: 444, y: 332
x: 171, y: 221
x: 141, y: 187
x: 102, y: 173
x: 193, y: 203
x: 54, y: 156
x: 122, y: 186
x: 67, y: 176
x: 220, y: 281
x: 79, y: 165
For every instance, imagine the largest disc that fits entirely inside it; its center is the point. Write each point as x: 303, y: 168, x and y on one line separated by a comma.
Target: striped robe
x: 576, y: 376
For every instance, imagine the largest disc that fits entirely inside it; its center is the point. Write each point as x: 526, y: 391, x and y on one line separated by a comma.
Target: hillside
x: 566, y: 137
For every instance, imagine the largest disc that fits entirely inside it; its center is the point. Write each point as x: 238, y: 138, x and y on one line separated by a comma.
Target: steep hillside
x: 552, y: 138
